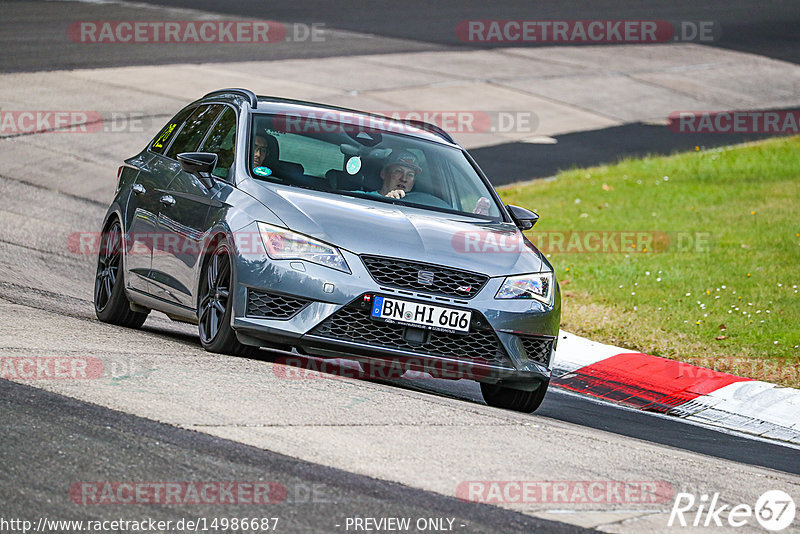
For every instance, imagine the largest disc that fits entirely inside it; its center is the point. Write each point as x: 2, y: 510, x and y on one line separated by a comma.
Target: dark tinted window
x: 168, y: 131
x: 222, y: 141
x: 194, y: 130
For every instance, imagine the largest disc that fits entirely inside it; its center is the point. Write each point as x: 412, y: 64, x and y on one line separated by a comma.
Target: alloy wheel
x: 216, y: 294
x: 108, y: 264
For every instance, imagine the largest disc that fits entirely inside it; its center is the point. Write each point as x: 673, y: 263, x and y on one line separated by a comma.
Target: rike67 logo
x: 774, y: 510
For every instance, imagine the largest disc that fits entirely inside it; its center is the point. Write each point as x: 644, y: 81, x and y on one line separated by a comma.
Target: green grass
x: 744, y: 200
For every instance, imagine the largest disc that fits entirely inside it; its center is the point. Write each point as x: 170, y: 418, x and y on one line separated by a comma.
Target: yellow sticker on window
x: 159, y: 143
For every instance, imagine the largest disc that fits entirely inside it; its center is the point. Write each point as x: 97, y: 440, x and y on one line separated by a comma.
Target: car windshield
x: 344, y: 156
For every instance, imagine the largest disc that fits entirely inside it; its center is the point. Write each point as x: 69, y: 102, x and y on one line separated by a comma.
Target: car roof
x: 272, y: 104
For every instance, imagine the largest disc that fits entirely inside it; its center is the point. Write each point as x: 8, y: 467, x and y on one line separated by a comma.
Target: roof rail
x: 422, y: 125
x: 248, y: 94
x: 427, y: 126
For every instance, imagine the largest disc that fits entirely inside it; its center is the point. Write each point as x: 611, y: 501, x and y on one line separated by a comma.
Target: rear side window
x: 169, y: 130
x: 221, y: 141
x: 194, y: 130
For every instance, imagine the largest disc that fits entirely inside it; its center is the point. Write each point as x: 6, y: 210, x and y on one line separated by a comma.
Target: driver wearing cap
x: 398, y: 174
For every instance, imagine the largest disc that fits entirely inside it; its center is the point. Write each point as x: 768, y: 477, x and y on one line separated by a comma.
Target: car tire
x: 215, y: 305
x: 514, y: 399
x: 111, y: 305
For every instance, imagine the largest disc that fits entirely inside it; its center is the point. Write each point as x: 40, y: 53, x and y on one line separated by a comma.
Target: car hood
x: 364, y: 226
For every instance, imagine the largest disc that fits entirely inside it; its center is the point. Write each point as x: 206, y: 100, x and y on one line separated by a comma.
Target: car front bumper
x: 322, y: 312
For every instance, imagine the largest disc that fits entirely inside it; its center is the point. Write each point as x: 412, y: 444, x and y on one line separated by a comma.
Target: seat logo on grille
x: 425, y: 277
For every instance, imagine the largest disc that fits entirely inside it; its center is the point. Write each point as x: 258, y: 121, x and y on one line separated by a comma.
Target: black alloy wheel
x: 215, y: 305
x: 110, y: 303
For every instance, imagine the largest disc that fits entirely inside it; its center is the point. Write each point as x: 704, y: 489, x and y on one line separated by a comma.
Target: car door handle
x: 138, y: 189
x: 168, y: 200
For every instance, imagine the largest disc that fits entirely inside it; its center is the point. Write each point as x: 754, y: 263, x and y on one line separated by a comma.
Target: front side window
x: 194, y: 129
x: 221, y: 140
x: 346, y: 157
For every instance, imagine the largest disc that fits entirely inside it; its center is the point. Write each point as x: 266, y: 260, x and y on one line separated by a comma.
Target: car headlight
x: 283, y: 244
x: 538, y: 286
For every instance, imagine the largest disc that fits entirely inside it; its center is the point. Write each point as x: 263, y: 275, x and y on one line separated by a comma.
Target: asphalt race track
x: 389, y: 27
x: 103, y: 444
x: 165, y: 410
x: 766, y: 28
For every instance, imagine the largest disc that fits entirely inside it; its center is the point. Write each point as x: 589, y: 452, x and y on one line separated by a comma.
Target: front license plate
x: 420, y: 315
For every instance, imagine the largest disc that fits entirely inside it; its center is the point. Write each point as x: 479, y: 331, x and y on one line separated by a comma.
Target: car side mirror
x: 200, y: 164
x: 523, y: 218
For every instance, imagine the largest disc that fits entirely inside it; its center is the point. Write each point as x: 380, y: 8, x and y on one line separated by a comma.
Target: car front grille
x: 538, y: 349
x: 266, y: 305
x: 405, y: 274
x: 354, y: 323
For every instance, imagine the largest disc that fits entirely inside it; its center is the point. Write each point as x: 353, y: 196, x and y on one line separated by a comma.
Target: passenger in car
x: 260, y: 150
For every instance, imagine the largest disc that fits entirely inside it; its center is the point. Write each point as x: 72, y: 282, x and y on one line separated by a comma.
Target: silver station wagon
x: 337, y: 233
